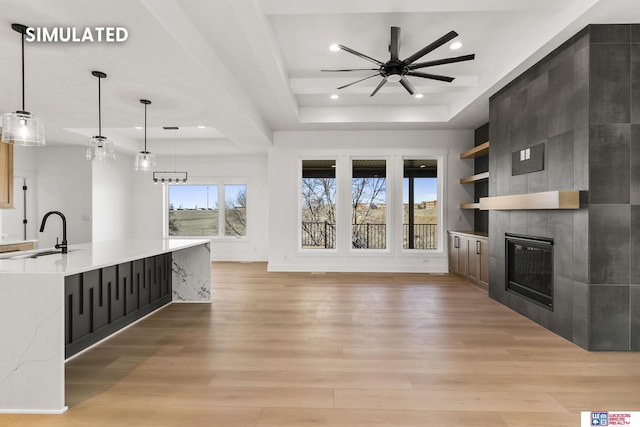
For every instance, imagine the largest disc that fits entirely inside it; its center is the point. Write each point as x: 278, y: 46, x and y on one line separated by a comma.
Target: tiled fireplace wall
x: 583, y: 103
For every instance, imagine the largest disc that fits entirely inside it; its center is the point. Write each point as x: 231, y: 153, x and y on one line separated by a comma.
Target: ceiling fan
x: 397, y: 70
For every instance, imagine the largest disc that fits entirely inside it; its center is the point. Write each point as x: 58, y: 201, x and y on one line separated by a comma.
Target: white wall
x: 112, y: 198
x: 150, y: 205
x: 63, y: 181
x: 284, y: 162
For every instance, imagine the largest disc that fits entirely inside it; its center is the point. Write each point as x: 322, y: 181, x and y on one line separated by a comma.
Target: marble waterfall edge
x: 191, y: 270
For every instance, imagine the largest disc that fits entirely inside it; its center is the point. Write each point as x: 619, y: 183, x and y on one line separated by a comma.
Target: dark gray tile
x: 635, y: 244
x: 580, y: 104
x: 635, y: 83
x: 519, y: 184
x: 581, y: 314
x: 503, y: 174
x: 581, y: 158
x: 610, y: 33
x: 560, y: 158
x: 634, y: 306
x: 496, y: 279
x: 581, y: 62
x: 518, y: 222
x: 635, y: 165
x: 519, y: 117
x: 610, y: 88
x: 500, y: 129
x: 537, y: 110
x: 494, y: 231
x: 561, y: 230
x: 609, y: 152
x: 609, y: 228
x: 562, y: 318
x: 538, y: 181
x: 609, y: 318
x: 581, y: 245
x: 538, y: 223
x: 561, y: 97
x: 635, y: 33
x: 493, y: 171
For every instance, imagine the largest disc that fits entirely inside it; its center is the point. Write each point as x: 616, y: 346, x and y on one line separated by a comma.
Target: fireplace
x: 529, y: 264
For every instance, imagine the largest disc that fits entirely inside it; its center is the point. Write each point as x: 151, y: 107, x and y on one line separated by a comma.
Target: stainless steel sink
x: 36, y: 254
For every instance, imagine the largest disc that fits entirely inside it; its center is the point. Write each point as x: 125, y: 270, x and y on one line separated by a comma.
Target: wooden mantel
x: 545, y: 200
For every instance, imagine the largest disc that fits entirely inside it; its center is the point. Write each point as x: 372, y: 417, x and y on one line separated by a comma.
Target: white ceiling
x: 247, y: 68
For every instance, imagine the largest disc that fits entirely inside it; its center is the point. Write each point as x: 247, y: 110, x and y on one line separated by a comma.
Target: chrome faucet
x: 62, y: 245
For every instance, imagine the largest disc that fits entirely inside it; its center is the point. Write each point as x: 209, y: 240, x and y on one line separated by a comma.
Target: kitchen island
x: 52, y: 306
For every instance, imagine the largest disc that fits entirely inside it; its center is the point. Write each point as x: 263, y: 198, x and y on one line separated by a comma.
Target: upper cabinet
x: 6, y: 175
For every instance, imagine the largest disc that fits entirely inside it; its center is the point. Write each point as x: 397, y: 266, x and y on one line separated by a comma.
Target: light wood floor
x: 304, y: 349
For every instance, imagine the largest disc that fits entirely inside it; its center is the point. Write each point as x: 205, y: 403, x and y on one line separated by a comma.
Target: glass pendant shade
x: 21, y: 128
x: 145, y: 161
x: 100, y: 148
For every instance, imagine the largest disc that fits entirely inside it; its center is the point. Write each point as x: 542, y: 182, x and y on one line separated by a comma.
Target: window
x: 369, y: 204
x: 193, y: 210
x: 420, y: 204
x: 318, y: 204
x: 235, y: 210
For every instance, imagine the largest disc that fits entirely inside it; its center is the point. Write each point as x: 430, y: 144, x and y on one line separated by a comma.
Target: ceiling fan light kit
x: 396, y: 70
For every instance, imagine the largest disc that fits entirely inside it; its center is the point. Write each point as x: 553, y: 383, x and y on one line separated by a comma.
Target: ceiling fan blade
x: 350, y: 69
x: 357, y: 81
x: 441, y: 61
x: 407, y: 85
x: 361, y: 55
x: 382, y: 82
x: 430, y: 76
x: 436, y: 44
x: 394, y: 44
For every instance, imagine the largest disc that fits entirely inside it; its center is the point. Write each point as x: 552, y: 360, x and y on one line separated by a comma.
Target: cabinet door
x: 453, y: 253
x: 484, y: 261
x: 458, y: 254
x: 6, y: 175
x: 473, y: 259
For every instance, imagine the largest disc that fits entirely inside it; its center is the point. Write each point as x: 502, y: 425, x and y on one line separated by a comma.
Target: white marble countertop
x: 91, y: 256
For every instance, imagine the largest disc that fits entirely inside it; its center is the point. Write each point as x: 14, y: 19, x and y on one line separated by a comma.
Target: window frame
x: 323, y: 251
x: 389, y: 213
x: 221, y: 209
x: 440, y: 199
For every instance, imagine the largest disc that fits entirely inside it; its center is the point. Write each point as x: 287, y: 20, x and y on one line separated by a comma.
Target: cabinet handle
x: 456, y: 242
x: 478, y: 247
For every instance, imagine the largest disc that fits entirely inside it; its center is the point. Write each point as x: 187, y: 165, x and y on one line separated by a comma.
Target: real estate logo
x: 599, y: 418
x: 76, y: 35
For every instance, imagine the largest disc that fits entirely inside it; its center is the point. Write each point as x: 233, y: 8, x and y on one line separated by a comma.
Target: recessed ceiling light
x: 201, y: 127
x: 335, y: 96
x: 418, y: 95
x: 334, y: 47
x: 423, y: 166
x: 139, y: 127
x: 455, y: 45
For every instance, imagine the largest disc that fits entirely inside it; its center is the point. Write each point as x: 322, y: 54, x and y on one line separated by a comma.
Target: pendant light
x: 21, y: 127
x: 145, y: 161
x: 171, y: 176
x: 99, y: 147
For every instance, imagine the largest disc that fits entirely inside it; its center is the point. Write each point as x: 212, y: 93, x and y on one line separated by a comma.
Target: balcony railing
x: 322, y: 235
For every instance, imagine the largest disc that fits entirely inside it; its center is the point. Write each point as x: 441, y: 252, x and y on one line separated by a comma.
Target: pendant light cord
x: 145, y: 127
x: 99, y: 109
x: 23, y: 109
